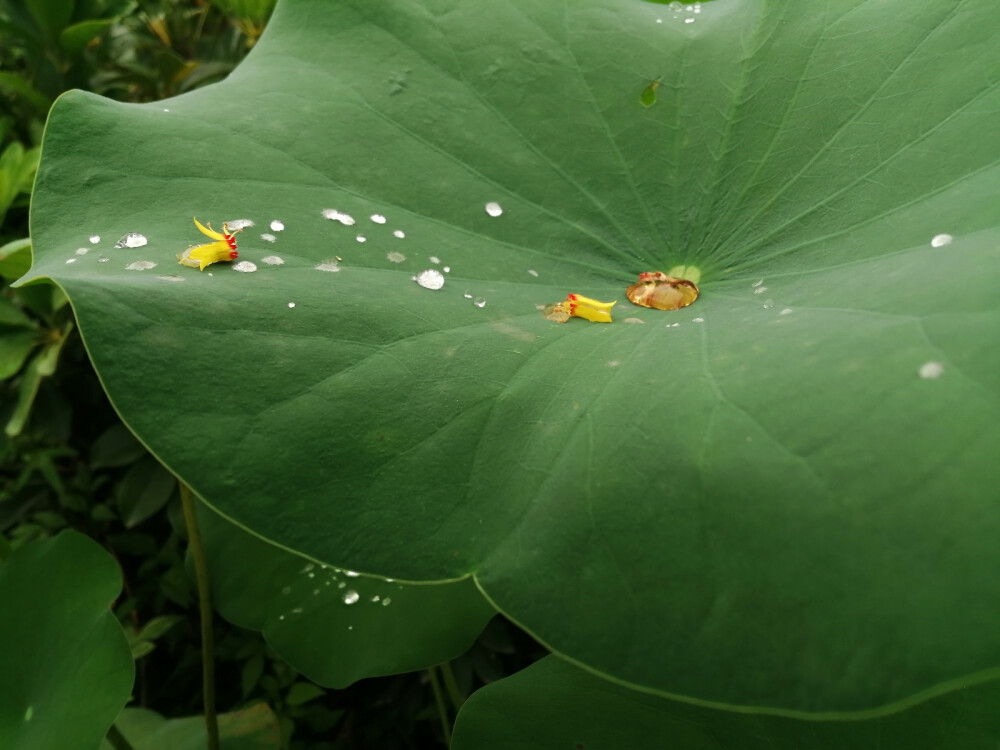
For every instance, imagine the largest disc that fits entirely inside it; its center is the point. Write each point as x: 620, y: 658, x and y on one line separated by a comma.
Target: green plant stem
x: 441, y: 707
x: 457, y: 699
x: 205, y: 608
x: 117, y: 740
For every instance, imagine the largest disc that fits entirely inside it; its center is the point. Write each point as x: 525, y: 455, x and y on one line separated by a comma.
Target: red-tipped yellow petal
x: 208, y: 232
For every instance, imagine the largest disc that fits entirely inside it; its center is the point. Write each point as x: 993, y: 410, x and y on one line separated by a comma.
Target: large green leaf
x: 65, y: 666
x: 552, y: 704
x: 336, y: 626
x: 783, y: 496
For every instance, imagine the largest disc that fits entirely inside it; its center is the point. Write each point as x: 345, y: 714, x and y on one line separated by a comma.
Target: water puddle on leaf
x: 430, y: 279
x: 140, y: 265
x: 132, y: 239
x: 662, y: 291
x: 493, y: 208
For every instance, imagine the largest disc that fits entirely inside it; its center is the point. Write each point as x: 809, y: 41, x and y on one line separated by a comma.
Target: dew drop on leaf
x: 140, y: 265
x: 386, y: 601
x: 291, y: 304
x: 493, y: 208
x: 132, y: 239
x: 170, y: 278
x: 940, y: 240
x: 395, y: 257
x: 697, y: 320
x: 277, y: 225
x: 351, y: 574
x: 334, y: 215
x: 633, y: 320
x: 479, y: 302
x: 931, y: 370
x: 378, y: 218
x: 399, y: 233
x: 430, y: 279
x: 361, y: 238
x: 786, y: 311
x: 760, y: 290
x: 272, y: 260
x: 434, y: 259
x: 245, y: 266
x: 70, y: 260
x: 94, y: 239
x: 351, y: 596
x: 82, y: 250
x: 268, y: 237
x: 330, y: 266
x: 237, y: 224
x: 533, y: 272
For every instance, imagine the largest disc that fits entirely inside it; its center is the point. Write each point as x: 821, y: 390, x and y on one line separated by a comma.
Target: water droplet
x: 361, y: 238
x: 351, y: 574
x: 236, y: 224
x: 272, y: 260
x: 659, y: 20
x: 493, y: 209
x: 170, y: 278
x: 132, y: 239
x: 673, y: 325
x: 467, y: 295
x: 614, y: 362
x: 446, y: 269
x: 786, y: 311
x: 376, y: 598
x: 940, y: 240
x: 287, y: 590
x: 277, y: 225
x: 330, y: 266
x: 297, y: 610
x: 931, y: 370
x: 434, y: 259
x: 103, y: 259
x: 315, y: 592
x: 430, y: 279
x: 634, y: 320
x: 29, y: 712
x: 94, y: 239
x: 70, y: 260
x: 82, y: 250
x: 291, y: 304
x: 768, y: 304
x: 140, y: 265
x: 341, y: 585
x: 377, y: 218
x: 307, y: 568
x: 311, y: 574
x: 479, y: 302
x: 688, y: 20
x: 281, y: 617
x: 395, y: 257
x: 760, y: 290
x: 697, y: 320
x: 334, y: 215
x: 165, y: 109
x: 533, y: 272
x: 385, y: 602
x: 676, y: 7
x: 245, y: 266
x: 757, y: 283
x: 351, y: 596
x: 399, y: 233
x: 268, y: 237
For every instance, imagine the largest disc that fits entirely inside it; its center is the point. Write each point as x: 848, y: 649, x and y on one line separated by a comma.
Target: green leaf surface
x: 783, y: 496
x: 15, y: 346
x: 252, y: 728
x: 74, y: 38
x: 552, y: 704
x: 335, y: 626
x: 15, y: 258
x: 65, y: 664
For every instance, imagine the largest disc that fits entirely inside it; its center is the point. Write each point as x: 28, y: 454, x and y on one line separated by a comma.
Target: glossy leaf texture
x: 782, y: 496
x: 336, y: 626
x: 552, y: 704
x: 65, y: 664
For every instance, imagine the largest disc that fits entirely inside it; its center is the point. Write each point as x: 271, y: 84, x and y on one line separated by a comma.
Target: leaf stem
x: 117, y: 740
x: 205, y: 610
x: 442, y: 709
x: 457, y: 699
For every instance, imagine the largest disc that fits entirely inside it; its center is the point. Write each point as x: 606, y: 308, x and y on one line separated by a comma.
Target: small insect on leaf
x: 648, y: 96
x: 657, y: 290
x: 578, y: 306
x: 222, y: 248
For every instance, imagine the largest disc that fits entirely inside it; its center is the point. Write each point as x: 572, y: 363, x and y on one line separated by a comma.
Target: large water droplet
x: 940, y: 240
x: 351, y: 596
x: 291, y: 304
x: 395, y: 257
x: 931, y: 370
x: 277, y: 225
x: 377, y: 218
x: 430, y: 279
x: 245, y: 266
x: 94, y: 239
x: 334, y: 215
x: 493, y: 208
x: 272, y: 260
x: 132, y: 239
x: 140, y: 265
